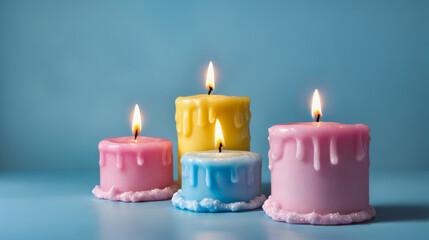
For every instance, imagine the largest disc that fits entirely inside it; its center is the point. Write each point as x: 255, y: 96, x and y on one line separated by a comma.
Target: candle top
x: 317, y: 125
x: 140, y: 139
x: 224, y: 158
x: 129, y: 142
x: 211, y: 98
x: 317, y: 137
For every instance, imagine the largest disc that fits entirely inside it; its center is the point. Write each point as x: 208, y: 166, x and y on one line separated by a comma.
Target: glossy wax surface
x: 196, y: 117
x: 132, y: 165
x: 320, y: 167
x: 230, y: 176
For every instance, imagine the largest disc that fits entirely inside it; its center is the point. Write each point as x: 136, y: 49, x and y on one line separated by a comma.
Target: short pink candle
x: 134, y: 169
x: 319, y: 173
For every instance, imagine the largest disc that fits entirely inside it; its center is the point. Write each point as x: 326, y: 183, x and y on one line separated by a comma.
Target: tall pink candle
x: 134, y: 169
x: 319, y: 173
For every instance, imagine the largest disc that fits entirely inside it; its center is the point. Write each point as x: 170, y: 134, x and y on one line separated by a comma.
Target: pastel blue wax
x: 230, y: 176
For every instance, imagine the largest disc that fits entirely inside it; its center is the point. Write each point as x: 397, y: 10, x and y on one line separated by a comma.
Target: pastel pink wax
x: 135, y: 166
x: 320, y: 169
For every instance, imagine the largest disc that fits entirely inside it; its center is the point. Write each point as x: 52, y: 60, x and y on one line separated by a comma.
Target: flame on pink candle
x: 316, y: 106
x: 137, y: 122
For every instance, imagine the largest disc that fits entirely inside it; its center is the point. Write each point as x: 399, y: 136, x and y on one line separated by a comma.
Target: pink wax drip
x: 119, y: 160
x: 102, y: 159
x: 303, y: 132
x: 299, y: 149
x: 361, y: 150
x: 316, y: 150
x: 166, y: 154
x: 333, y: 151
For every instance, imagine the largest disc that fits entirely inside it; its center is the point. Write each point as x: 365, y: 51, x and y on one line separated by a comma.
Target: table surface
x: 59, y: 205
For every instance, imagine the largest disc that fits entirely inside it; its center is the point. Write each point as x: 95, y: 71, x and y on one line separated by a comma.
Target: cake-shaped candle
x: 220, y: 180
x: 196, y: 115
x: 319, y: 172
x: 135, y: 168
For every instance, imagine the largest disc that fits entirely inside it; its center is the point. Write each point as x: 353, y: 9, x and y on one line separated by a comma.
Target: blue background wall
x: 71, y: 71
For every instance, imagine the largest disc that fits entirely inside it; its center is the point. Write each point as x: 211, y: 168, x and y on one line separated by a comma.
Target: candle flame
x: 219, y: 141
x: 316, y: 106
x: 210, y: 84
x: 137, y: 121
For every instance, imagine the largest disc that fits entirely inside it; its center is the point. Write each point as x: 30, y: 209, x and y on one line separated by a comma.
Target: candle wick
x: 136, y: 133
x: 220, y: 147
x: 318, y: 118
x: 210, y: 90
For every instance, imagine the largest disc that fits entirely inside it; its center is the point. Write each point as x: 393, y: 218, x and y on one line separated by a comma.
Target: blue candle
x: 220, y: 181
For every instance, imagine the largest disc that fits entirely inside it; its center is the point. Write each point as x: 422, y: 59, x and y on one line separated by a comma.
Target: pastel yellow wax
x: 195, y: 123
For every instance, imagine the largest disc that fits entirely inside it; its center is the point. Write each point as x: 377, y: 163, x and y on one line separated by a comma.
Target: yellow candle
x: 196, y: 119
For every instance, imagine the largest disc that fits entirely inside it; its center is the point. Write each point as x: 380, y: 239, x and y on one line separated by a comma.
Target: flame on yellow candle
x: 210, y: 84
x: 137, y: 121
x: 219, y: 141
x: 316, y: 106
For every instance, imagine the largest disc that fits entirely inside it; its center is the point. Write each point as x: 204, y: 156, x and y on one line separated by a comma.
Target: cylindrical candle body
x: 319, y: 167
x: 230, y: 176
x: 135, y: 166
x: 196, y: 117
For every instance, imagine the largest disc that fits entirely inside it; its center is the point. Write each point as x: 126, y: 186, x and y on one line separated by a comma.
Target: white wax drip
x: 299, y: 149
x: 140, y: 159
x: 119, y: 160
x: 208, y: 177
x: 316, y: 151
x: 360, y: 148
x: 234, y: 175
x: 333, y: 152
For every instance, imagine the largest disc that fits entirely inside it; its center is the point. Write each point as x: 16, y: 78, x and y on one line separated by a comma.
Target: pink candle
x: 319, y: 172
x: 135, y: 168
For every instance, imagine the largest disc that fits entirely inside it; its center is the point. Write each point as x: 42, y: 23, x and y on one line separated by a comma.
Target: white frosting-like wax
x: 140, y: 196
x: 212, y: 205
x: 273, y: 210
